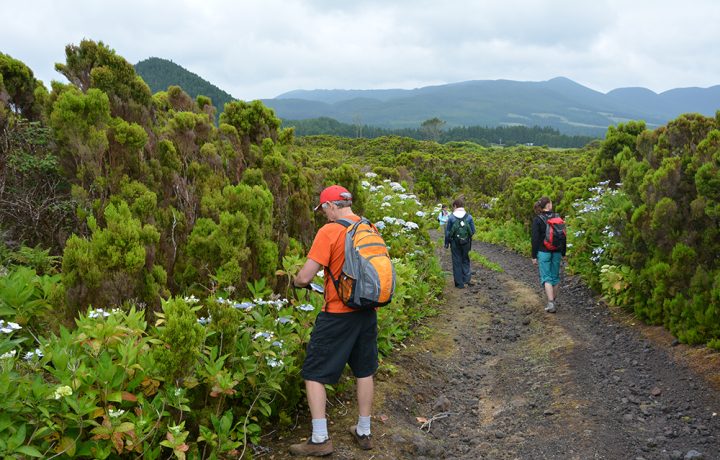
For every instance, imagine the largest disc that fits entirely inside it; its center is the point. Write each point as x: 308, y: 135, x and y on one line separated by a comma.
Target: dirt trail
x: 498, y: 378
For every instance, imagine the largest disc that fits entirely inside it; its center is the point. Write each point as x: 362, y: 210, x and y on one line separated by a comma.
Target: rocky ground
x: 495, y: 377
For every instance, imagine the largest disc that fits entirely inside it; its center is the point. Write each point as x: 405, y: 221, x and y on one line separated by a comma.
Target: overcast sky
x: 257, y: 49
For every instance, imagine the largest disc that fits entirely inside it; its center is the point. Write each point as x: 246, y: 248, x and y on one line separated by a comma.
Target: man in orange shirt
x: 341, y: 334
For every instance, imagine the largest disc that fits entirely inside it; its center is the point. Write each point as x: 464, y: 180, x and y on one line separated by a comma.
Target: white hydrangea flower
x: 243, y: 305
x: 284, y: 320
x: 267, y: 335
x: 9, y: 354
x: 370, y: 175
x: 204, y: 321
x: 9, y: 327
x: 33, y: 354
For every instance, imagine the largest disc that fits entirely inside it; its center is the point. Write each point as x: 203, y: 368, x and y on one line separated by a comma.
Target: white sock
x: 363, y: 426
x: 320, y: 432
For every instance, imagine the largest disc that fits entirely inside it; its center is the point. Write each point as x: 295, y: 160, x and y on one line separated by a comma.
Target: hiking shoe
x: 364, y: 441
x: 470, y: 283
x: 312, y: 449
x: 550, y: 308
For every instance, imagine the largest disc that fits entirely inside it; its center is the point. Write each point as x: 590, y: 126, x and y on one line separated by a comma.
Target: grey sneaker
x: 550, y: 307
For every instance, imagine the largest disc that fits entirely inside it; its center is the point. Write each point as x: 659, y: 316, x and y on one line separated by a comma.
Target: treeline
x: 485, y: 136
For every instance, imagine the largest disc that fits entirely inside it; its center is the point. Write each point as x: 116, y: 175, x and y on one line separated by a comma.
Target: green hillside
x: 559, y: 103
x: 160, y: 73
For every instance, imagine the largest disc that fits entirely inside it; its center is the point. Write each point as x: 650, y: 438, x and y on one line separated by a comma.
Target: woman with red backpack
x: 548, y: 248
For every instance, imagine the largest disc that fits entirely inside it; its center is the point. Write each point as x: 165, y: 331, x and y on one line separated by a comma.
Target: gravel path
x: 495, y: 377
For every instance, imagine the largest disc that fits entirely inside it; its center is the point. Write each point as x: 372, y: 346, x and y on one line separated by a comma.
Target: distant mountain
x: 559, y: 103
x: 159, y: 74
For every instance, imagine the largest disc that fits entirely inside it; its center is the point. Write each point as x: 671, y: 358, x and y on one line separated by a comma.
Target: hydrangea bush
x: 208, y: 375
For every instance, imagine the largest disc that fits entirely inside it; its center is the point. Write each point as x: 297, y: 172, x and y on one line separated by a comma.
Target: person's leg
x: 319, y: 443
x: 325, y: 359
x: 555, y: 260
x: 466, y: 262
x: 365, y: 393
x: 316, y: 397
x: 546, y: 279
x: 457, y: 265
x: 549, y: 292
x: 364, y: 363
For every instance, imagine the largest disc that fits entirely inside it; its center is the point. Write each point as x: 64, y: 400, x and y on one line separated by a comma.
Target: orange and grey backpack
x: 367, y: 279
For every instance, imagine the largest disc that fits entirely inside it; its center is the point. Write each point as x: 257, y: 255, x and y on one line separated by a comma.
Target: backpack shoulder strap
x: 344, y: 222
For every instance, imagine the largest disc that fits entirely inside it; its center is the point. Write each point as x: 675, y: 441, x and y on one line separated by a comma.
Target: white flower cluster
x: 100, y: 313
x: 597, y: 253
x: 267, y: 335
x: 191, y: 300
x: 115, y: 413
x: 370, y: 175
x: 33, y: 354
x: 284, y: 320
x: 9, y: 354
x: 247, y: 306
x: 396, y: 187
x: 278, y: 304
x: 272, y: 362
x: 8, y: 328
x: 401, y: 222
x: 205, y: 321
x: 305, y: 307
x: 365, y: 184
x: 608, y: 231
x: 420, y: 214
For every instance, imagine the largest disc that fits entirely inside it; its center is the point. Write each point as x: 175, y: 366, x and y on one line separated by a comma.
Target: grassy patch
x: 485, y: 262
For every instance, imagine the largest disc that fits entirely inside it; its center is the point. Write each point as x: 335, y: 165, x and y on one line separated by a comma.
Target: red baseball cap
x: 334, y: 193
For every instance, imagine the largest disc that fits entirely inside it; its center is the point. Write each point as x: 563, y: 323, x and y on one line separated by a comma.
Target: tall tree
x: 432, y: 128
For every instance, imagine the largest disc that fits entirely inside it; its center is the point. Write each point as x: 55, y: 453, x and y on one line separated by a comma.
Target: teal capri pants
x: 549, y: 266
